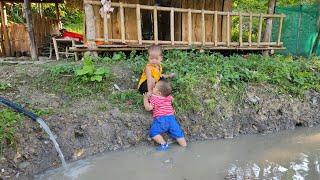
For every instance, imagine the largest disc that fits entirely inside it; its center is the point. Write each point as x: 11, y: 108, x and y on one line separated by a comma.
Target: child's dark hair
x: 155, y: 48
x: 165, y: 87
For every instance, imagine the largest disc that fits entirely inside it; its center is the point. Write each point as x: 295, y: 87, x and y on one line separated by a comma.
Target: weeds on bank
x: 202, y: 77
x: 9, y: 122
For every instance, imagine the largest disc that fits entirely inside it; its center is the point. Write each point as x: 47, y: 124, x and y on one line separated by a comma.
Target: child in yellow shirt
x: 153, y: 70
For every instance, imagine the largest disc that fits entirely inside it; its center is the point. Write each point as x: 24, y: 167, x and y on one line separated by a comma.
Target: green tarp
x: 299, y: 29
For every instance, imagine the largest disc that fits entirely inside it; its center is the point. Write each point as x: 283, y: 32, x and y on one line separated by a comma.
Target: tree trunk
x: 90, y: 28
x: 33, y: 47
x: 267, y: 33
x: 4, y: 24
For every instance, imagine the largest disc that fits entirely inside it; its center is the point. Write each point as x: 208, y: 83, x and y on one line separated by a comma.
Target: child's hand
x: 172, y: 75
x: 147, y: 94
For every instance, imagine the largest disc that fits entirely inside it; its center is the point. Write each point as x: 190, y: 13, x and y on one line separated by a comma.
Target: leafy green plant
x: 90, y: 73
x: 9, y: 122
x: 4, y: 86
x: 64, y: 68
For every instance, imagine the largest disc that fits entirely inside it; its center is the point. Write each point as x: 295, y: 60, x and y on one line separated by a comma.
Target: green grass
x: 202, y: 78
x: 9, y: 123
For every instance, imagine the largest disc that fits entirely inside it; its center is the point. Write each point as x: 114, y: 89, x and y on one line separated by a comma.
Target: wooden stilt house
x: 175, y: 24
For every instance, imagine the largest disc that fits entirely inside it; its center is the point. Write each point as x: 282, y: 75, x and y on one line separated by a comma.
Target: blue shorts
x: 166, y: 124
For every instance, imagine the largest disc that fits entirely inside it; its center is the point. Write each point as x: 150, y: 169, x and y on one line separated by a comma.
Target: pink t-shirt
x: 162, y: 106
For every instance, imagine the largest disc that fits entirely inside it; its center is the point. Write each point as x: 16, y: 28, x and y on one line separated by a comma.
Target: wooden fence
x: 216, y: 42
x: 19, y: 38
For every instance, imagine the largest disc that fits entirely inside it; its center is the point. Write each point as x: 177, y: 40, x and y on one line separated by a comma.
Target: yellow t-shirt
x: 156, y: 71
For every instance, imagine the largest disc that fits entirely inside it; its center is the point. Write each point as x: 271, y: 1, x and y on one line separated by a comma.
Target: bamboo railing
x: 215, y: 43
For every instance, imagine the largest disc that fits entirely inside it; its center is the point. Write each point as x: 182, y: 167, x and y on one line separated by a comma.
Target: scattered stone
x: 23, y: 165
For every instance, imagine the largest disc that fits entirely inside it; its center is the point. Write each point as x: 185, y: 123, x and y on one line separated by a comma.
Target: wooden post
x: 189, y: 27
x: 123, y: 35
x: 228, y: 28
x: 4, y: 24
x: 172, y: 26
x: 260, y: 29
x: 240, y: 29
x: 268, y: 31
x: 90, y: 28
x: 105, y: 27
x: 33, y: 46
x: 203, y: 28
x: 155, y: 25
x: 279, y: 31
x: 138, y: 13
x: 250, y: 29
x: 56, y: 49
x: 215, y: 28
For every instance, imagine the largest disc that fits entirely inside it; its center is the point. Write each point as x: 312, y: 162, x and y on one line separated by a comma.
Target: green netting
x: 299, y: 29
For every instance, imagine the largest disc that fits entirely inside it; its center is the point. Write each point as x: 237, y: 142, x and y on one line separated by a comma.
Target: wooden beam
x: 250, y: 29
x: 268, y: 31
x: 172, y: 26
x: 123, y: 33
x: 33, y: 46
x: 105, y: 27
x: 189, y: 27
x: 279, y: 31
x: 155, y: 24
x: 260, y: 29
x: 215, y: 28
x: 203, y: 28
x: 4, y: 24
x: 228, y: 29
x: 240, y: 29
x: 139, y: 31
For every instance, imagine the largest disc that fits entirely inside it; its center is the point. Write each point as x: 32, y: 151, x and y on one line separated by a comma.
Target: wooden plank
x: 196, y: 19
x: 172, y: 26
x: 227, y: 7
x: 105, y: 27
x: 209, y: 5
x: 98, y: 22
x: 203, y: 28
x: 131, y: 20
x: 219, y: 7
x: 184, y: 17
x: 260, y: 29
x: 215, y: 28
x: 177, y: 20
x: 279, y: 31
x: 123, y: 38
x: 155, y: 24
x: 228, y: 29
x: 250, y: 29
x: 189, y: 27
x: 138, y: 16
x: 240, y: 29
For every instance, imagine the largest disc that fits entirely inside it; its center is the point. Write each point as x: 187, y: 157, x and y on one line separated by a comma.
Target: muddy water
x: 287, y: 155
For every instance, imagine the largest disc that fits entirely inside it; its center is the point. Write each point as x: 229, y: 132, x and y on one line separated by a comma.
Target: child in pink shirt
x: 160, y: 102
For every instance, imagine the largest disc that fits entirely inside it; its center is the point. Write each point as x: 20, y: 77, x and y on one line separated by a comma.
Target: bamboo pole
x: 250, y: 29
x: 260, y: 29
x: 4, y: 24
x: 138, y: 13
x: 189, y: 27
x: 279, y: 31
x: 33, y: 47
x: 172, y: 26
x: 203, y: 28
x: 105, y: 27
x: 123, y: 35
x: 155, y: 24
x: 240, y: 29
x: 215, y: 28
x: 228, y: 29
